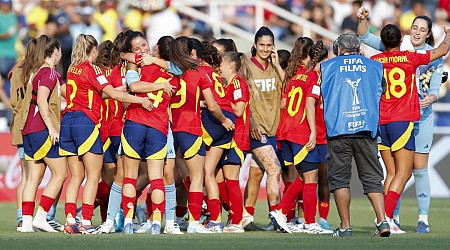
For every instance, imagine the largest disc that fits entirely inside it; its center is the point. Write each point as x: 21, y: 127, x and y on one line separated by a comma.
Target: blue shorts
x: 265, y: 140
x: 37, y: 145
x: 79, y: 135
x: 214, y: 134
x: 294, y: 153
x: 140, y: 141
x: 21, y: 152
x: 111, y: 149
x: 322, y: 150
x: 233, y: 156
x: 189, y: 144
x: 423, y: 134
x: 397, y: 135
x: 284, y: 168
x: 171, y: 154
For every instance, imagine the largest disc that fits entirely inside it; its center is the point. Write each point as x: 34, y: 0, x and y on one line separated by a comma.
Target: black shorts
x: 341, y: 151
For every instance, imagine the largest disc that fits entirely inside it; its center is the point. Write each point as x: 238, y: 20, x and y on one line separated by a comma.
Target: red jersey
x: 158, y: 117
x: 106, y: 119
x: 219, y: 93
x: 280, y: 129
x: 320, y: 124
x: 84, y: 90
x: 116, y: 110
x: 185, y: 103
x: 237, y: 91
x: 401, y: 100
x: 46, y: 77
x: 302, y: 85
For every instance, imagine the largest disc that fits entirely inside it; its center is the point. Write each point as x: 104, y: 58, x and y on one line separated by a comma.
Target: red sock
x: 390, y: 203
x: 324, y: 209
x: 104, y: 208
x: 28, y: 208
x: 289, y: 197
x: 187, y: 183
x: 148, y: 202
x: 102, y: 192
x: 70, y: 209
x: 180, y: 211
x: 195, y: 200
x: 235, y: 195
x: 214, y: 209
x: 310, y: 202
x: 250, y: 210
x: 87, y: 210
x: 158, y: 208
x: 46, y: 203
x: 224, y: 195
x: 128, y: 203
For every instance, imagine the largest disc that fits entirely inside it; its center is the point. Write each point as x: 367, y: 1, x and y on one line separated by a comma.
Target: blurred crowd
x: 66, y: 19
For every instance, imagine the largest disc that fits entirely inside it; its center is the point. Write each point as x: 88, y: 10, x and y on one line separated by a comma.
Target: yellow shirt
x: 108, y: 21
x: 133, y: 20
x: 37, y: 17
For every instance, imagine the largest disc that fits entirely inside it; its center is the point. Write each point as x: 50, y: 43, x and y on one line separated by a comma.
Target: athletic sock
x: 171, y: 202
x: 19, y: 214
x: 52, y: 212
x: 87, y: 211
x: 28, y: 208
x: 235, y: 198
x: 324, y: 209
x: 250, y: 210
x: 158, y: 208
x: 70, y: 210
x: 102, y: 192
x: 224, y: 196
x: 289, y: 197
x: 195, y: 200
x: 390, y: 202
x: 396, y: 214
x: 115, y: 199
x: 214, y: 209
x: 310, y: 202
x: 423, y: 191
x: 128, y: 203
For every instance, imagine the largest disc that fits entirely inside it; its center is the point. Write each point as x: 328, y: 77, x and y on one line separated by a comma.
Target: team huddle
x: 183, y: 118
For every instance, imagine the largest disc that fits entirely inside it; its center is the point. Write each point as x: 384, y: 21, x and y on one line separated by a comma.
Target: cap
x: 349, y: 41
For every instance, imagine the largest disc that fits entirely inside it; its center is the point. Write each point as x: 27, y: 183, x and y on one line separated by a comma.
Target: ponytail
x: 180, y: 53
x: 103, y: 59
x: 83, y: 48
x: 242, y: 67
x: 29, y: 64
x: 320, y: 53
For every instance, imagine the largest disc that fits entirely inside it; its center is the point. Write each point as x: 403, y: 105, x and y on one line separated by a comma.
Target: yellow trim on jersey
x: 206, y: 137
x: 403, y: 139
x: 127, y: 149
x: 43, y: 150
x: 300, y: 156
x: 197, y: 98
x: 382, y: 147
x: 193, y: 150
x: 161, y: 154
x: 106, y: 144
x: 87, y: 145
x: 90, y: 98
x: 63, y: 152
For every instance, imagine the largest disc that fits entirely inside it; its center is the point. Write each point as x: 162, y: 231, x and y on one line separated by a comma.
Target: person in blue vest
x: 351, y: 87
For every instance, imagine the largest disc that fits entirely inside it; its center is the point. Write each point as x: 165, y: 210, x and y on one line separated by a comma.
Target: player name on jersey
x: 393, y: 59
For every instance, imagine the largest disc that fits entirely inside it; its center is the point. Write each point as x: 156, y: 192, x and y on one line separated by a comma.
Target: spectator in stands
x: 83, y: 21
x: 107, y: 17
x: 350, y: 23
x: 406, y: 19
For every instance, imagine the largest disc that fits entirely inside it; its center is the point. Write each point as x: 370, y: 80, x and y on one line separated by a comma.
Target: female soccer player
x: 265, y: 115
x: 42, y: 109
x: 299, y: 149
x: 420, y: 38
x: 80, y: 140
x: 186, y: 127
x: 17, y: 94
x: 238, y: 88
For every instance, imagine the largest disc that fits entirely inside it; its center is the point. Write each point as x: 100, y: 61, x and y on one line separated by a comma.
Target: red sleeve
x: 314, y: 85
x: 96, y: 78
x: 420, y: 57
x: 205, y: 81
x: 48, y: 78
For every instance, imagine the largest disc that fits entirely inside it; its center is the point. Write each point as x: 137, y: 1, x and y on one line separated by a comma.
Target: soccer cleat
x: 143, y: 228
x: 295, y: 228
x: 55, y: 224
x: 394, y: 228
x: 43, y: 225
x: 87, y: 229
x: 324, y: 224
x: 383, y: 229
x: 396, y: 222
x: 234, y: 228
x: 155, y: 229
x: 19, y: 226
x: 252, y: 227
x: 270, y: 227
x: 174, y: 229
x: 199, y: 229
x: 315, y: 228
x: 247, y: 219
x: 422, y: 228
x: 342, y: 233
x: 70, y: 228
x: 128, y: 229
x: 215, y: 227
x: 106, y: 227
x: 183, y: 222
x: 279, y: 221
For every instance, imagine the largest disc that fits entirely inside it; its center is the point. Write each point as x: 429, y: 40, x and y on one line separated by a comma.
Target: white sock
x: 423, y: 218
x: 127, y: 220
x: 156, y: 222
x: 27, y: 222
x: 86, y: 222
x: 169, y: 223
x: 71, y: 220
x: 41, y: 215
x: 194, y: 223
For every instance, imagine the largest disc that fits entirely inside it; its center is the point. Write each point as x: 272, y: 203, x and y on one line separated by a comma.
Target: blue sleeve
x: 372, y: 40
x: 132, y: 76
x: 174, y: 69
x: 436, y: 77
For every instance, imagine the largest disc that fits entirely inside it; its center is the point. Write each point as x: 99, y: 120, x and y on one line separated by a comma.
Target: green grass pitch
x: 362, y: 225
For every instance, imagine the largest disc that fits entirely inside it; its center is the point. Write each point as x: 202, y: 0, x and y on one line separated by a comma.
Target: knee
x: 256, y: 174
x: 273, y: 171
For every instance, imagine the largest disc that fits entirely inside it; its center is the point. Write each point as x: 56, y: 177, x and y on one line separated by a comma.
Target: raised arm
x: 366, y: 37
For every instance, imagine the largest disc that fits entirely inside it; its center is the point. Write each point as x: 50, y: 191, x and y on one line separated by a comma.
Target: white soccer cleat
x: 279, y: 220
x: 55, y: 224
x: 106, y: 227
x: 199, y: 229
x: 394, y: 228
x: 144, y: 228
x: 315, y: 228
x: 233, y: 228
x: 295, y: 228
x: 43, y: 225
x: 172, y: 229
x: 247, y: 219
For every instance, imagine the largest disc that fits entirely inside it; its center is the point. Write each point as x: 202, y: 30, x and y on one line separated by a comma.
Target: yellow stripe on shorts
x: 161, y: 154
x: 206, y: 137
x: 106, y: 144
x: 193, y: 150
x: 300, y: 156
x: 127, y: 149
x: 87, y: 145
x: 403, y: 139
x: 382, y: 147
x: 43, y: 150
